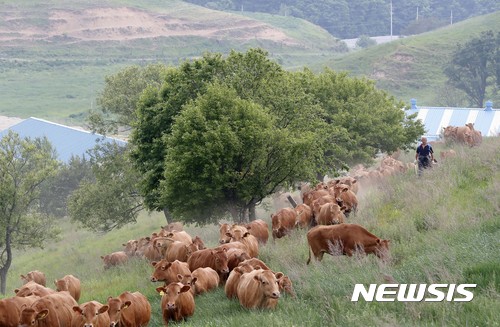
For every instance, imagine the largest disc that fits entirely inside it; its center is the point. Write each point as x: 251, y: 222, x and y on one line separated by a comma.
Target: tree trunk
x: 5, y: 268
x: 251, y: 212
x: 3, y: 279
x: 168, y: 215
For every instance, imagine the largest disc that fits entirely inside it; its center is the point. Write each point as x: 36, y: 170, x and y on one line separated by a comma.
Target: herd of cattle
x: 187, y: 268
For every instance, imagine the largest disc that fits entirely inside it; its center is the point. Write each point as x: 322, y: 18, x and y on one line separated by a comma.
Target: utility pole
x: 417, y: 14
x: 391, y: 19
x: 451, y: 17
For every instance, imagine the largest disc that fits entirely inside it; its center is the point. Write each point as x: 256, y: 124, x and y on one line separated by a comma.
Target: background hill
x: 54, y: 54
x: 412, y: 67
x: 444, y: 228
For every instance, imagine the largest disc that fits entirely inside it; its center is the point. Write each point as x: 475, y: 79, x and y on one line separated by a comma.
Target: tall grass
x: 444, y: 228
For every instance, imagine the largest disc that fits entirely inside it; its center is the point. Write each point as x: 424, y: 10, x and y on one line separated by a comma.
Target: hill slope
x: 444, y: 228
x: 54, y: 54
x: 413, y: 67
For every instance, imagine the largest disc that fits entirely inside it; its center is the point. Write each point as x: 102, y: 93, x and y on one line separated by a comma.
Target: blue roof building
x: 486, y: 120
x: 67, y: 141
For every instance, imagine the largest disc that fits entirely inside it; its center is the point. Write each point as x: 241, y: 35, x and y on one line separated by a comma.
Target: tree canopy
x: 474, y: 67
x: 25, y: 164
x: 193, y: 136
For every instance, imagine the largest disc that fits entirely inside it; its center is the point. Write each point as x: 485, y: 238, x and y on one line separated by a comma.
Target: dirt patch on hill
x: 126, y: 23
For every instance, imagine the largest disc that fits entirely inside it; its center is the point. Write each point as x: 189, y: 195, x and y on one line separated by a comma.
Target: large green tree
x: 473, y: 68
x: 226, y: 154
x: 24, y: 166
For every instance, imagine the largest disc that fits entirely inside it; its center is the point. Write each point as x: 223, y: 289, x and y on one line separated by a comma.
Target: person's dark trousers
x: 423, y: 163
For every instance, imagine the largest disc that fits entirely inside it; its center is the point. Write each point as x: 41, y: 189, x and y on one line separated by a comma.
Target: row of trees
x: 350, y: 19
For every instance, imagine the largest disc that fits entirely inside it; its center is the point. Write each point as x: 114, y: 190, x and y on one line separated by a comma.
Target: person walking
x: 424, y: 155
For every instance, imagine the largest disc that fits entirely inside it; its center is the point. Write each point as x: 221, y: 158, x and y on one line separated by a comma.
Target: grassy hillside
x: 444, y: 228
x: 55, y: 54
x: 412, y: 67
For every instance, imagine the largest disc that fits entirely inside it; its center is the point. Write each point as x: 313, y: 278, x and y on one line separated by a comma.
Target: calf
x: 204, y: 280
x: 36, y: 276
x: 330, y: 214
x: 114, y: 259
x: 177, y: 303
x: 129, y: 310
x: 166, y: 271
x: 344, y: 239
x: 90, y: 314
x: 69, y: 283
x: 304, y: 216
x: 259, y: 229
x: 259, y: 289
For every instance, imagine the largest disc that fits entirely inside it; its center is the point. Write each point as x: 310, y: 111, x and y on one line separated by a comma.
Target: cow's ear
x: 153, y: 263
x: 160, y: 289
x: 102, y: 257
x: 109, y: 298
x: 279, y: 275
x: 185, y: 288
x: 248, y: 227
x: 228, y: 234
x: 77, y: 309
x: 257, y: 278
x: 42, y: 314
x: 126, y: 305
x: 379, y: 240
x: 166, y: 266
x: 194, y: 280
x: 103, y: 309
x: 246, y: 234
x: 179, y: 277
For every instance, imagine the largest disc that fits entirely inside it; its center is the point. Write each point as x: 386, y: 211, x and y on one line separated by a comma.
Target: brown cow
x: 166, y: 271
x: 201, y: 280
x: 130, y: 248
x: 246, y: 238
x: 198, y: 242
x: 177, y: 303
x: 304, y: 216
x: 36, y: 276
x: 179, y: 251
x: 235, y: 257
x: 10, y: 309
x: 309, y: 196
x: 226, y: 228
x: 344, y: 239
x: 447, y: 154
x: 181, y: 236
x: 69, y: 283
x: 259, y: 229
x: 90, y: 314
x: 173, y: 226
x: 259, y: 289
x: 114, y: 259
x: 285, y: 285
x: 129, y: 310
x: 348, y: 199
x: 233, y: 280
x: 33, y: 288
x: 50, y: 310
x: 283, y: 222
x: 330, y: 214
x: 215, y: 259
x: 256, y: 263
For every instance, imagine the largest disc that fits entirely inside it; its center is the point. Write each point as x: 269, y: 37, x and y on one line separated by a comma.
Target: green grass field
x: 443, y: 227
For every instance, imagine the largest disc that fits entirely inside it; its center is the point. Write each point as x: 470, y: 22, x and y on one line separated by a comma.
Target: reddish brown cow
x: 309, y: 196
x: 36, y: 276
x: 90, y: 314
x: 33, y: 288
x: 166, y: 271
x: 259, y: 289
x: 246, y: 238
x: 71, y: 284
x: 173, y: 226
x: 181, y: 236
x: 114, y: 259
x: 201, y: 280
x: 52, y: 310
x: 256, y: 263
x: 259, y: 229
x: 348, y: 199
x: 130, y: 248
x: 233, y: 280
x: 10, y: 309
x: 198, y: 242
x: 283, y: 222
x: 330, y: 214
x: 223, y: 229
x: 215, y: 259
x: 304, y: 216
x: 235, y: 256
x: 129, y: 310
x: 177, y: 303
x: 179, y: 251
x: 285, y: 285
x: 344, y: 239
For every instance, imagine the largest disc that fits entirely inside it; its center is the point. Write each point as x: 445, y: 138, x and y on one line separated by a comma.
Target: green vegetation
x: 444, y: 228
x: 412, y: 67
